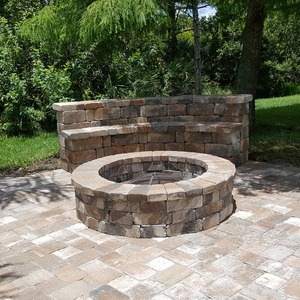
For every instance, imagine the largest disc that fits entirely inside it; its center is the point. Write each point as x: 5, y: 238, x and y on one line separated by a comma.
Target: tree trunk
x: 250, y: 57
x: 197, y: 48
x: 172, y: 35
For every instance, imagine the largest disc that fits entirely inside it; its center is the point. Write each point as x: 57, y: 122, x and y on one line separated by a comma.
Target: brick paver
x: 46, y: 253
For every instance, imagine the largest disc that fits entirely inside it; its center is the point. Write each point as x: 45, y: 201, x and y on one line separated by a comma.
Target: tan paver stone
x: 114, y: 259
x: 69, y: 273
x: 173, y: 274
x: 160, y: 263
x: 277, y: 252
x: 102, y: 276
x: 181, y: 291
x: 292, y: 288
x: 66, y: 252
x: 222, y: 288
x: 197, y: 282
x: 180, y: 257
x: 123, y: 283
x: 138, y: 271
x: 71, y: 291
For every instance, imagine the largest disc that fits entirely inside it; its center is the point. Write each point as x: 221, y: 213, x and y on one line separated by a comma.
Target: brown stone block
x: 179, y: 137
x: 99, y: 152
x: 245, y: 132
x: 154, y: 147
x: 138, y: 120
x: 152, y: 231
x: 106, y: 141
x: 231, y: 109
x: 122, y: 230
x: 184, y: 118
x: 120, y: 217
x: 134, y: 148
x: 176, y: 109
x: 226, y: 212
x: 84, y: 144
x: 183, y: 228
x: 153, y: 110
x: 245, y: 145
x: 152, y: 207
x: 208, y: 210
x: 125, y: 139
x: 77, y: 116
x: 81, y: 216
x: 183, y: 216
x: 152, y: 218
x: 119, y: 205
x: 198, y: 137
x: 79, y: 157
x: 163, y: 119
x: 143, y: 138
x: 93, y: 212
x: 194, y: 147
x: 211, y: 221
x: 113, y: 150
x: 222, y: 150
x: 226, y: 138
x: 174, y: 146
x: 212, y: 118
x: 186, y: 203
x: 107, y: 113
x: 204, y: 109
x: 92, y: 223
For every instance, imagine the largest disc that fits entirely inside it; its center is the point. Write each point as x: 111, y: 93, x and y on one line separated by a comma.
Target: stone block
x: 153, y: 231
x: 183, y: 216
x: 159, y: 137
x: 184, y: 118
x: 174, y: 146
x: 245, y: 132
x: 76, y: 116
x: 245, y: 145
x: 231, y: 109
x: 83, y: 144
x: 211, y: 221
x: 107, y: 113
x: 113, y: 150
x: 226, y: 212
x: 153, y: 110
x: 120, y: 217
x: 194, y: 147
x: 186, y: 203
x: 154, y: 147
x: 152, y: 218
x: 99, y: 152
x: 134, y: 148
x: 182, y: 228
x: 125, y: 139
x: 204, y: 109
x: 222, y: 150
x: 176, y: 109
x: 152, y: 207
x: 198, y: 137
x: 208, y: 210
x: 164, y: 119
x: 79, y: 157
x: 122, y: 230
x: 226, y: 138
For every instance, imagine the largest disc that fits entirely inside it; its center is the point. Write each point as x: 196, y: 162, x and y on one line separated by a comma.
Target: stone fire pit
x: 154, y: 194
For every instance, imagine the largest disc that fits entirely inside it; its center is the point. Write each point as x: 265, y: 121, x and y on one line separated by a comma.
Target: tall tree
x: 250, y: 56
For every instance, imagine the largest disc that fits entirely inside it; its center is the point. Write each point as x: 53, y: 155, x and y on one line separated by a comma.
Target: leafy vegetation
x: 64, y: 50
x: 277, y: 135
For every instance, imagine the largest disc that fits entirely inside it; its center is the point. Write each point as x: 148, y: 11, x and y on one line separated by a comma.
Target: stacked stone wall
x: 217, y: 124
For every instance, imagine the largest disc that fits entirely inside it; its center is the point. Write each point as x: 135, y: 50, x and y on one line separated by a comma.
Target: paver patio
x: 46, y: 253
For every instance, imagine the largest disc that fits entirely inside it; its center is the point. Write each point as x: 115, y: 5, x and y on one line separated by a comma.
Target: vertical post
x: 197, y: 48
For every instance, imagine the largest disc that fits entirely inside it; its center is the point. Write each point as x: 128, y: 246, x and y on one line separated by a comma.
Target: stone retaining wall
x: 216, y: 124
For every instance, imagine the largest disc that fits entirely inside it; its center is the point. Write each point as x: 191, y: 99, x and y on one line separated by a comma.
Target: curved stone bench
x: 214, y: 124
x: 159, y: 210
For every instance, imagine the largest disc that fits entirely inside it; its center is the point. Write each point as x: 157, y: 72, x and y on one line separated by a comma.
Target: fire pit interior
x: 154, y: 194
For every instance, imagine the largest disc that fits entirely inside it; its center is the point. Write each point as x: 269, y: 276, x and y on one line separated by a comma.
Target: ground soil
x: 47, y: 164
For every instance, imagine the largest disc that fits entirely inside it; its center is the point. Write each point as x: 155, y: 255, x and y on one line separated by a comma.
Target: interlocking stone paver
x: 47, y: 253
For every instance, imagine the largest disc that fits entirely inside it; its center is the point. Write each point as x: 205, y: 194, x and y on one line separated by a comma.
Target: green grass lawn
x: 276, y: 138
x: 16, y: 152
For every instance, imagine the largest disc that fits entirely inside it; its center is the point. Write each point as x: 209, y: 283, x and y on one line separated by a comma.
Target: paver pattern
x: 47, y: 253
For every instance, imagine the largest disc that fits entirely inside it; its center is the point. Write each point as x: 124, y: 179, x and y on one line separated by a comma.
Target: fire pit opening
x: 159, y: 170
x: 154, y: 194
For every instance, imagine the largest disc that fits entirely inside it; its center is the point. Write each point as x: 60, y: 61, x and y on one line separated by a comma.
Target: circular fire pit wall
x: 154, y: 194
